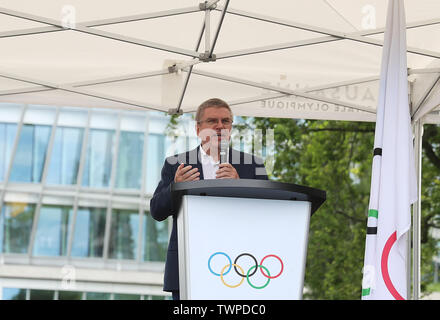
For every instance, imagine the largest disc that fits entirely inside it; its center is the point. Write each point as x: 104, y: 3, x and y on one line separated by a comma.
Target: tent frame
x: 208, y: 55
x: 416, y: 217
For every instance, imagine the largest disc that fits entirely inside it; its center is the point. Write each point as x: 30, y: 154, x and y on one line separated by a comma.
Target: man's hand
x: 186, y: 173
x: 226, y: 171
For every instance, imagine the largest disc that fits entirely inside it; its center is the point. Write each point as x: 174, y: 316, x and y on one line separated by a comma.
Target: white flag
x: 393, y: 181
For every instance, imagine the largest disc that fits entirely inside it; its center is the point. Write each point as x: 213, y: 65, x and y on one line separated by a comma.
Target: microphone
x: 224, y: 143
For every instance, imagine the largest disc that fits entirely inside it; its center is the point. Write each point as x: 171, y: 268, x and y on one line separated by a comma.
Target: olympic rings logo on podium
x: 250, y: 272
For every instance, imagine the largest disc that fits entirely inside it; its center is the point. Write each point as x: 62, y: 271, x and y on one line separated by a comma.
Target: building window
x: 41, y: 294
x: 129, y: 168
x: 155, y: 239
x: 62, y: 213
x: 31, y: 153
x: 38, y: 294
x: 15, y: 227
x: 69, y: 295
x: 88, y: 240
x: 7, y: 137
x: 98, y: 163
x: 97, y: 296
x: 124, y: 234
x: 53, y: 231
x: 155, y: 160
x: 65, y: 157
x: 14, y: 294
x: 125, y: 296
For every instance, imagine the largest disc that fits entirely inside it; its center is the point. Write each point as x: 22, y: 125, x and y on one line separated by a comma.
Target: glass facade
x: 7, y: 137
x: 99, y: 157
x: 31, y: 153
x: 14, y: 294
x: 15, y: 227
x: 155, y: 240
x: 65, y: 157
x: 75, y: 184
x: 53, y: 231
x: 124, y: 234
x: 88, y: 238
x: 130, y: 160
x: 155, y: 160
x: 35, y: 294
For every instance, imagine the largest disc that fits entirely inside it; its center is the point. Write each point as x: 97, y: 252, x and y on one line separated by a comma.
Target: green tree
x: 336, y: 156
x: 430, y: 192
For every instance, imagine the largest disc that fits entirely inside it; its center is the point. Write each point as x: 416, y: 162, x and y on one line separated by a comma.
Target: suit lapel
x: 234, y: 158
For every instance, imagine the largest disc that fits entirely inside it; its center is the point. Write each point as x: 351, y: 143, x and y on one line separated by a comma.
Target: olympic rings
x: 246, y: 254
x: 221, y: 276
x: 251, y: 271
x: 279, y: 273
x: 212, y: 256
x: 261, y: 268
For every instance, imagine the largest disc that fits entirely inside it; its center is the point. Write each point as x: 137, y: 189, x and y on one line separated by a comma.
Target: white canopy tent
x: 316, y: 59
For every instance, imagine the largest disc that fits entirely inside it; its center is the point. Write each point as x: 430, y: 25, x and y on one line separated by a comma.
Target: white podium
x: 243, y: 239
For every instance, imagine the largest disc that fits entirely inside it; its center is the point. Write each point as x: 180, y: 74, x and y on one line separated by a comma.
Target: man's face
x: 215, y: 125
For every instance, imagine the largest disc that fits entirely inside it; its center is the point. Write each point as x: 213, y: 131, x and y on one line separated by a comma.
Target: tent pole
x: 222, y: 17
x: 430, y: 88
x: 416, y: 253
x: 185, y: 84
x: 409, y: 234
x: 70, y: 88
x: 333, y: 33
x: 207, y: 27
x: 423, y: 70
x: 99, y: 33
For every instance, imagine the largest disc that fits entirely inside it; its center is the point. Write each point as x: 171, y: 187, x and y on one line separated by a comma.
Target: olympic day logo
x: 224, y: 271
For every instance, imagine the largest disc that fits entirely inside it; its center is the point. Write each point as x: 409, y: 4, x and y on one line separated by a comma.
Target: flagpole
x: 409, y: 242
x: 418, y: 132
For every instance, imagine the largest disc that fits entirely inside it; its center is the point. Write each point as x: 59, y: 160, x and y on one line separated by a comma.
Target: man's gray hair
x: 213, y: 102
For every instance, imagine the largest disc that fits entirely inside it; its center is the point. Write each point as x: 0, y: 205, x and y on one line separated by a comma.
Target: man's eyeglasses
x: 212, y: 121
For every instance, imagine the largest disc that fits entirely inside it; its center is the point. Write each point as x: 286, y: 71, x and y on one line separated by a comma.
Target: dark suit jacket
x: 161, y: 206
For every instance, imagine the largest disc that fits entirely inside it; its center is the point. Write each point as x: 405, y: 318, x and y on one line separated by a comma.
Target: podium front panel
x: 242, y: 248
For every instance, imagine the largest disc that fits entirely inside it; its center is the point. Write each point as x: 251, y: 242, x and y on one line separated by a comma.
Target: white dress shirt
x: 209, y: 166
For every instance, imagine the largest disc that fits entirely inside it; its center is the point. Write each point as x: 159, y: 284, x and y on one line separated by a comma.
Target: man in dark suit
x: 213, y: 125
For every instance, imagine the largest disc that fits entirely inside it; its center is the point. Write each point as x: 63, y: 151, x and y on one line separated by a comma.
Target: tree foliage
x: 336, y: 156
x: 430, y: 192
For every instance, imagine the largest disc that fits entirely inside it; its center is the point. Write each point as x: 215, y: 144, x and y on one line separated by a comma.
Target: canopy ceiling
x: 316, y: 59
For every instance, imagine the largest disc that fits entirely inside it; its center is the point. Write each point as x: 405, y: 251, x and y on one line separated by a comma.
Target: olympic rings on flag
x: 212, y: 256
x: 241, y: 255
x: 251, y: 271
x: 223, y: 280
x: 276, y: 257
x: 261, y: 268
